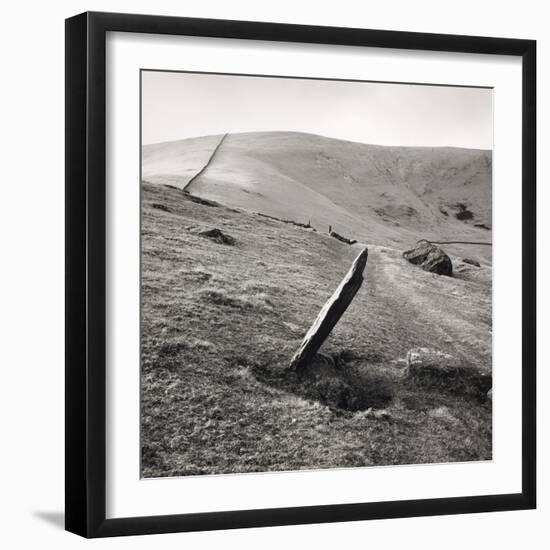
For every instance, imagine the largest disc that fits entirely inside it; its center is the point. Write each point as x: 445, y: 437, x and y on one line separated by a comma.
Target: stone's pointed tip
x: 361, y: 258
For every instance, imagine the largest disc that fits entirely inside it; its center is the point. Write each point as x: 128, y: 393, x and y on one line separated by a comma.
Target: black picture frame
x: 86, y: 284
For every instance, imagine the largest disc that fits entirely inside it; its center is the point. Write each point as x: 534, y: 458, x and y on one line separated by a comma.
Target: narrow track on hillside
x: 441, y: 309
x: 208, y: 162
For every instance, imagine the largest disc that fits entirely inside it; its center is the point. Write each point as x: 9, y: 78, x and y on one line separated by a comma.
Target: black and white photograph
x: 316, y: 274
x: 274, y: 275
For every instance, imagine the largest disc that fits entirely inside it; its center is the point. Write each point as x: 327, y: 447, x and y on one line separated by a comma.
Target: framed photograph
x: 300, y: 280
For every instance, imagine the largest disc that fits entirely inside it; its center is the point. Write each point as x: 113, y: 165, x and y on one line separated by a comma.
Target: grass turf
x: 220, y: 323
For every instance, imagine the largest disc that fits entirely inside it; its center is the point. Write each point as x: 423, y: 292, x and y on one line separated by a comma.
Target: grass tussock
x: 221, y: 297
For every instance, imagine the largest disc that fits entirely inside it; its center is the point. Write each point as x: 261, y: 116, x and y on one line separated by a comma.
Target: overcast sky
x: 182, y: 105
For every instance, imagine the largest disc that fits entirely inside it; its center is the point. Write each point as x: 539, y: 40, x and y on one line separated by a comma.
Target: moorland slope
x: 389, y: 196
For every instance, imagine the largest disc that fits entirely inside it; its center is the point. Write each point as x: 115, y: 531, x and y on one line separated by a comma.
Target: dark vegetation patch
x: 334, y: 382
x: 458, y: 381
x: 463, y: 213
x: 162, y: 207
x: 291, y: 222
x: 198, y: 200
x: 471, y: 262
x: 482, y: 226
x: 431, y: 369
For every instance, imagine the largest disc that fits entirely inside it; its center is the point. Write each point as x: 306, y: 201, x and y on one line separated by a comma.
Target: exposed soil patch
x: 333, y: 381
x: 214, y: 234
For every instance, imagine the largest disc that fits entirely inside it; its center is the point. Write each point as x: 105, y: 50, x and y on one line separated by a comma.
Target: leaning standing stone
x: 331, y: 312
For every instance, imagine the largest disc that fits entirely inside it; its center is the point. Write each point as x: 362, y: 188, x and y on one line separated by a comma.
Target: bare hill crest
x: 380, y: 194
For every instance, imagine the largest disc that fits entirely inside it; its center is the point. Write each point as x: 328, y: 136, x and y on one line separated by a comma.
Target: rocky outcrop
x: 425, y: 363
x: 430, y: 258
x: 330, y: 313
x: 471, y: 262
x: 434, y: 369
x: 214, y: 234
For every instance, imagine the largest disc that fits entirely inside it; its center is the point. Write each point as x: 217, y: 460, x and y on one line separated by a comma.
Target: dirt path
x: 452, y: 314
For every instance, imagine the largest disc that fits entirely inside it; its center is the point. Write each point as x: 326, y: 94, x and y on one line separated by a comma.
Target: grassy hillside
x: 176, y: 162
x: 389, y: 196
x: 220, y: 323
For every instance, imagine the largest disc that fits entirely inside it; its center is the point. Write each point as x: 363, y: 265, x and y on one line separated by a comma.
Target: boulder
x: 214, y: 234
x: 430, y: 258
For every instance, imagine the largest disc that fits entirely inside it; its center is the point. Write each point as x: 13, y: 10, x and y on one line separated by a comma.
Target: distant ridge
x: 387, y: 195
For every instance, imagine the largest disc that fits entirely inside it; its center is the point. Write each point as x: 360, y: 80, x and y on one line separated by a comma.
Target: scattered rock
x: 331, y: 312
x: 378, y: 414
x: 435, y: 369
x: 443, y: 413
x: 490, y: 395
x: 342, y: 239
x: 430, y: 258
x: 214, y: 234
x: 160, y: 207
x: 471, y: 262
x: 482, y: 226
